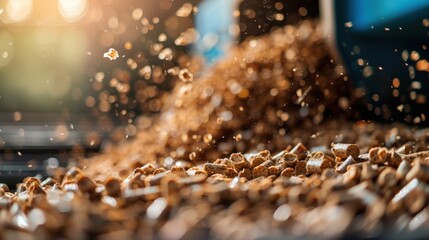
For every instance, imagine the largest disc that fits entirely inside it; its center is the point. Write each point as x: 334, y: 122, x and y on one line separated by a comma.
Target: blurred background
x: 51, y: 54
x: 61, y: 100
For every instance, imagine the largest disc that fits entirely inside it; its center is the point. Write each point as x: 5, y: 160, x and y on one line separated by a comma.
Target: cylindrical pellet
x: 300, y: 150
x: 316, y: 165
x: 343, y: 166
x: 213, y: 168
x: 301, y: 168
x: 343, y: 150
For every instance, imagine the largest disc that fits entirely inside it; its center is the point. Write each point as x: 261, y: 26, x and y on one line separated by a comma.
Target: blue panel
x: 366, y: 13
x: 213, y: 21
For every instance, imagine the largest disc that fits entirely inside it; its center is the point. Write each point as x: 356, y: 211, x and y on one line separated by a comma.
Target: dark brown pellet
x: 85, y: 184
x: 301, y: 168
x: 300, y: 150
x: 394, y: 159
x: 113, y: 187
x: 213, y: 168
x: 246, y: 173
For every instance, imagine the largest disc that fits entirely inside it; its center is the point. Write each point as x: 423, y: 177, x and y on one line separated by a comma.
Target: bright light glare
x: 19, y: 10
x: 72, y: 10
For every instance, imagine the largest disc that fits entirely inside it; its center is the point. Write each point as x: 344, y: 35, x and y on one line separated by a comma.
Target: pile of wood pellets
x: 267, y: 144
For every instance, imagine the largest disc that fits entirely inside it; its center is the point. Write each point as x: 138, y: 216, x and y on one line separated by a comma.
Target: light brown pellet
x: 343, y: 150
x: 73, y: 172
x: 274, y: 170
x: 239, y: 161
x: 148, y: 169
x: 402, y: 170
x: 316, y: 165
x: 368, y: 171
x: 256, y: 161
x: 343, y: 166
x: 260, y: 171
x: 288, y: 172
x: 412, y: 156
x: 352, y: 175
x: 136, y: 182
x: 416, y: 201
x: 265, y: 154
x: 179, y: 171
x: 420, y: 171
x: 420, y: 220
x: 4, y: 187
x: 374, y: 156
x: 155, y: 180
x: 408, y: 196
x: 70, y: 186
x: 383, y: 155
x: 146, y: 193
x: 267, y: 164
x: 158, y: 170
x: 47, y: 182
x: 230, y: 172
x: 30, y: 180
x: 194, y: 179
x: 35, y: 188
x: 387, y: 178
x: 405, y: 149
x: 279, y: 155
x: 289, y: 160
